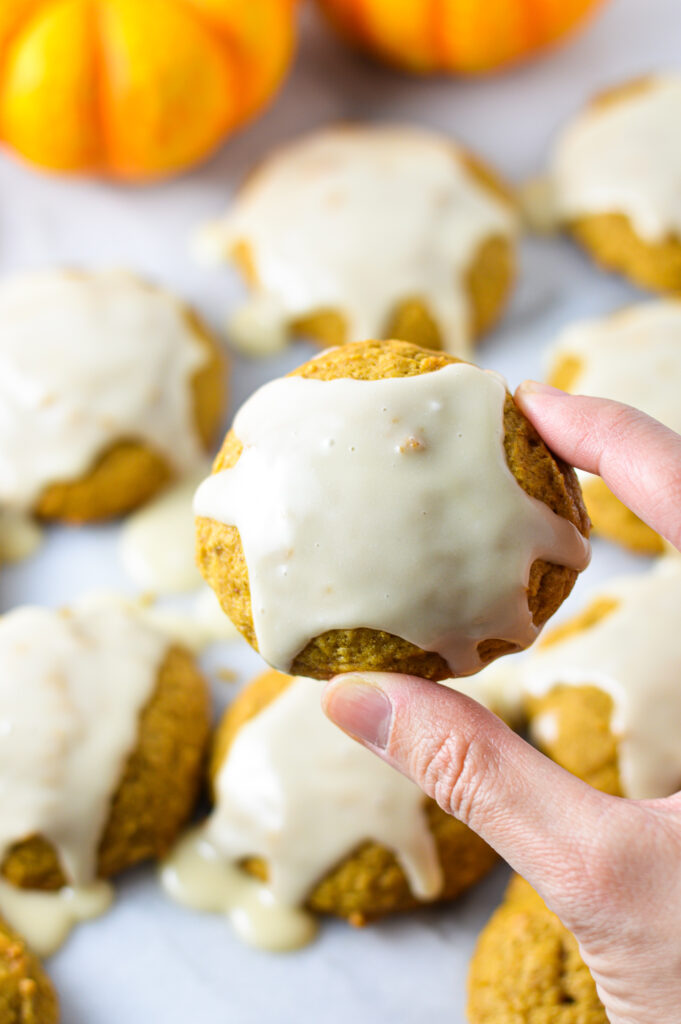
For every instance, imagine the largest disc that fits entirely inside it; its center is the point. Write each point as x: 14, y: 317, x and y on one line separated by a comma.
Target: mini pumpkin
x: 135, y: 89
x: 464, y: 36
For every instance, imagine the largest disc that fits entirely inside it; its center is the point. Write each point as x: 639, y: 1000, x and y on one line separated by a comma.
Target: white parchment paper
x: 148, y: 960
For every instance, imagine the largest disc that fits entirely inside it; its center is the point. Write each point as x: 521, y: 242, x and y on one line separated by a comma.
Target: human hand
x: 610, y: 868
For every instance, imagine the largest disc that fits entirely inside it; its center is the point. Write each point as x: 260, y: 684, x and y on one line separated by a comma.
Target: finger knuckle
x: 450, y: 772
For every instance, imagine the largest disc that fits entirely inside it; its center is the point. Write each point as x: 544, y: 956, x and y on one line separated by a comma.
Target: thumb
x: 542, y: 820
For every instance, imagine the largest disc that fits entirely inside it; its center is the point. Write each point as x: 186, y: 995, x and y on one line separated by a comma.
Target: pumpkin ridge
x: 243, y: 72
x: 213, y: 25
x: 435, y: 32
x: 100, y: 65
x: 358, y: 15
x: 22, y: 24
x: 534, y: 21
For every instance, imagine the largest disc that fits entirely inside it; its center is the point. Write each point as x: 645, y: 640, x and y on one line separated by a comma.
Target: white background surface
x: 148, y: 960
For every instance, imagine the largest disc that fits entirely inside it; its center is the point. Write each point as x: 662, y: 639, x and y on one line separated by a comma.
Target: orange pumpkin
x: 454, y: 35
x: 135, y: 88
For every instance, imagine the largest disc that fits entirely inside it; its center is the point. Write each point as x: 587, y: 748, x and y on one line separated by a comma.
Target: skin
x: 368, y: 882
x: 609, y: 517
x: 606, y: 866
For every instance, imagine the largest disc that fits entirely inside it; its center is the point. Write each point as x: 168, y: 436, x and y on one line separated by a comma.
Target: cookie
x: 109, y: 725
x: 527, y: 967
x: 615, y: 173
x: 398, y: 513
x: 357, y: 231
x: 110, y: 387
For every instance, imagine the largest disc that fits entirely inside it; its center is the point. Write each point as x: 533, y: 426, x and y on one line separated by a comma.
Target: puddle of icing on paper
x: 157, y: 542
x: 198, y: 877
x: 45, y: 919
x: 20, y: 536
x: 302, y: 795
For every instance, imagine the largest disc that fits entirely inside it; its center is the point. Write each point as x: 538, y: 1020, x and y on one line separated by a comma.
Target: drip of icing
x: 197, y: 876
x: 634, y: 655
x: 258, y: 326
x: 45, y: 919
x: 157, y: 542
x: 269, y: 803
x: 625, y: 157
x: 72, y: 686
x: 544, y: 728
x: 20, y: 536
x: 359, y: 219
x: 197, y: 627
x: 538, y: 205
x: 303, y: 822
x: 87, y: 361
x: 385, y: 504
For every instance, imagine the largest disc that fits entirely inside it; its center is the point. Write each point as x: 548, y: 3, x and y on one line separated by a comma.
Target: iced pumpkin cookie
x: 26, y: 993
x: 615, y: 174
x: 100, y: 763
x: 321, y: 821
x: 602, y: 690
x: 388, y: 508
x: 359, y: 232
x: 527, y: 969
x: 108, y: 388
x: 634, y: 357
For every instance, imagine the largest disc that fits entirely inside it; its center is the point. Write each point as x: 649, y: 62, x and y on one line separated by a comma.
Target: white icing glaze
x: 197, y: 626
x: 72, y: 686
x: 45, y: 919
x: 538, y: 205
x: 357, y: 219
x: 633, y: 356
x: 298, y: 792
x: 544, y: 728
x: 385, y: 504
x: 633, y: 654
x: 197, y: 876
x: 625, y: 157
x: 157, y: 541
x: 258, y: 326
x: 302, y: 795
x: 87, y: 360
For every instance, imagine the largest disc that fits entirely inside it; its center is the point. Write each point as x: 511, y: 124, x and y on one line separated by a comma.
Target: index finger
x: 638, y: 458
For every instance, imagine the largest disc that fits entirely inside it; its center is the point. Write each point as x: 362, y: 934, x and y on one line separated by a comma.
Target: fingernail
x: 535, y: 387
x: 361, y: 709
